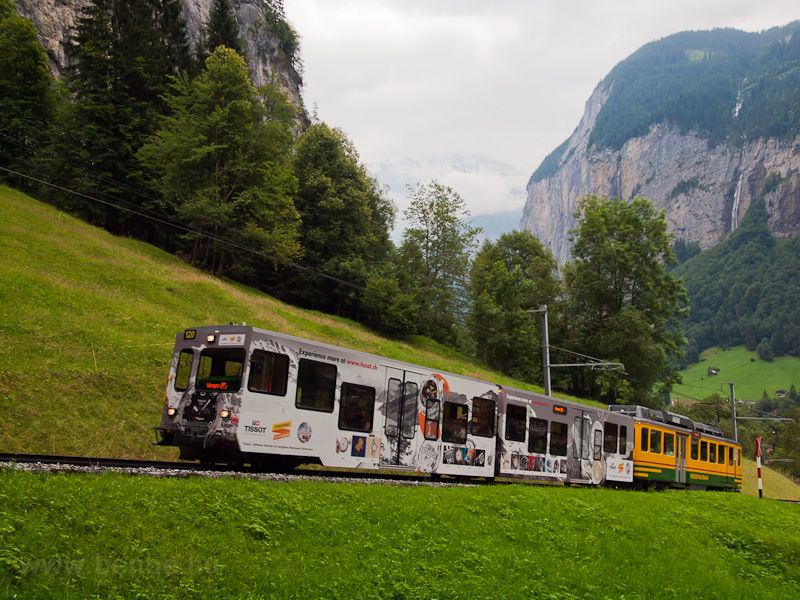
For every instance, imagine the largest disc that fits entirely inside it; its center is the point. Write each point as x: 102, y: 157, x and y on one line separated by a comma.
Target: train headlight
x: 172, y: 411
x: 224, y: 414
x: 211, y: 338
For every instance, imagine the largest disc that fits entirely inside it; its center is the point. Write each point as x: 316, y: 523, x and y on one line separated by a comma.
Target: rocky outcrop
x: 56, y: 19
x: 704, y: 191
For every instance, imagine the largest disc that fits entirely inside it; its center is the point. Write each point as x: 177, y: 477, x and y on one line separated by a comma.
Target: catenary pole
x: 733, y: 408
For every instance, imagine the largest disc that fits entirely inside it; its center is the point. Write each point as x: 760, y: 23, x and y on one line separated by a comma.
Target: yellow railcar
x: 672, y: 451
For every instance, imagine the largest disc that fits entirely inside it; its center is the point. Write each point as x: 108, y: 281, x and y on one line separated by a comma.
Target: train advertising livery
x: 242, y: 395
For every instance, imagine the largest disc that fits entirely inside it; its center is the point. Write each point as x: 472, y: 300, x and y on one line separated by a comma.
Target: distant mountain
x: 701, y: 123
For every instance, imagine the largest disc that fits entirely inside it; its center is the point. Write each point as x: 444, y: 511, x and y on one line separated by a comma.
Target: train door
x: 680, y: 460
x: 582, y: 444
x: 401, y: 440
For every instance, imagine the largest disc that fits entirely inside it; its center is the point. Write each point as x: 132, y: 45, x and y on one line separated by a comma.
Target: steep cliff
x: 55, y: 19
x: 704, y: 185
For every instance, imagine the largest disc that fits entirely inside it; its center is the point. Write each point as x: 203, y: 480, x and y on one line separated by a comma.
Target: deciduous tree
x: 624, y: 306
x: 223, y: 159
x: 437, y: 250
x: 346, y: 219
x: 509, y: 277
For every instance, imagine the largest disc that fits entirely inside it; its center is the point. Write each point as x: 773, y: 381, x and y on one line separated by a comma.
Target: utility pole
x: 733, y: 408
x: 545, y: 346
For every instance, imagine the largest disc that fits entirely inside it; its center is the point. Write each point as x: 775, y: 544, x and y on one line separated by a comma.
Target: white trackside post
x: 758, y: 465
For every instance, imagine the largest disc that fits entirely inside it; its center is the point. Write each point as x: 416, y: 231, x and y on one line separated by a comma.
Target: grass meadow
x: 117, y: 536
x: 751, y: 376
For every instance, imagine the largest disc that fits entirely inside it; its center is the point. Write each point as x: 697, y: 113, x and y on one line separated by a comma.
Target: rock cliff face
x: 704, y: 191
x: 55, y: 19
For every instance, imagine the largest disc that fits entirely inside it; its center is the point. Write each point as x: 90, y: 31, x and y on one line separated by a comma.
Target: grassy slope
x: 244, y: 539
x: 87, y: 325
x: 750, y: 379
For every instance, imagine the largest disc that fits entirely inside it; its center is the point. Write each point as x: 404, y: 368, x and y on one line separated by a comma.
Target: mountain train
x: 239, y: 394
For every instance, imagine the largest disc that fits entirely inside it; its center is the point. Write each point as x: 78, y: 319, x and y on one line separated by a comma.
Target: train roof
x: 666, y: 417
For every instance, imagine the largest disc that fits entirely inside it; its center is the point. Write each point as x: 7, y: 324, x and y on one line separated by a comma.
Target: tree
x: 223, y: 160
x: 346, y: 219
x: 623, y: 305
x: 508, y: 278
x: 222, y: 29
x: 26, y: 97
x: 121, y: 58
x: 764, y: 351
x: 437, y: 249
x: 6, y: 8
x: 750, y: 338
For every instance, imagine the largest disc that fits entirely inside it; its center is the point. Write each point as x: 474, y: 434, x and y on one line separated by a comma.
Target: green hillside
x: 87, y: 325
x: 750, y: 375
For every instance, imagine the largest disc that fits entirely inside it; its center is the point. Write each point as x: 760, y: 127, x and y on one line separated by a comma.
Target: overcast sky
x: 475, y: 93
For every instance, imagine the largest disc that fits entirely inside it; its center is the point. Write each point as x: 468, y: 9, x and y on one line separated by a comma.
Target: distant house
x: 712, y: 371
x: 781, y: 393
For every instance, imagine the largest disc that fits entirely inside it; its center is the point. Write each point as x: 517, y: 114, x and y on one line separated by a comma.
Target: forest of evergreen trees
x: 744, y: 291
x: 693, y: 79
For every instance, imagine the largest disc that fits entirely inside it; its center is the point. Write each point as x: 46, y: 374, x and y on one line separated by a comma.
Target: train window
x: 730, y: 456
x: 587, y: 428
x: 430, y: 400
x: 220, y: 369
x: 454, y: 423
x: 269, y: 373
x: 316, y: 385
x: 713, y: 453
x: 623, y: 440
x: 409, y: 425
x: 537, y: 438
x: 515, y: 422
x: 669, y: 444
x: 356, y: 407
x: 393, y: 407
x: 645, y: 445
x: 558, y: 439
x: 721, y: 455
x: 483, y: 417
x: 704, y: 451
x: 576, y: 438
x: 597, y: 453
x: 655, y: 441
x: 737, y: 457
x: 695, y: 444
x: 610, y: 437
x: 185, y: 360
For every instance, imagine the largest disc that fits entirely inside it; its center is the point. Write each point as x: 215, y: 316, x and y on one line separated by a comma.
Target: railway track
x: 177, y: 469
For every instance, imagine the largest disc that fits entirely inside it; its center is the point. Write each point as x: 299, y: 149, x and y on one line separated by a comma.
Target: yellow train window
x: 645, y: 439
x: 669, y: 444
x: 713, y: 453
x: 721, y: 455
x: 655, y: 441
x: 704, y: 451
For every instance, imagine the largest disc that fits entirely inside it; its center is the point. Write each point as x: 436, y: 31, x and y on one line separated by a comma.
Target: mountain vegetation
x: 745, y: 291
x: 695, y: 80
